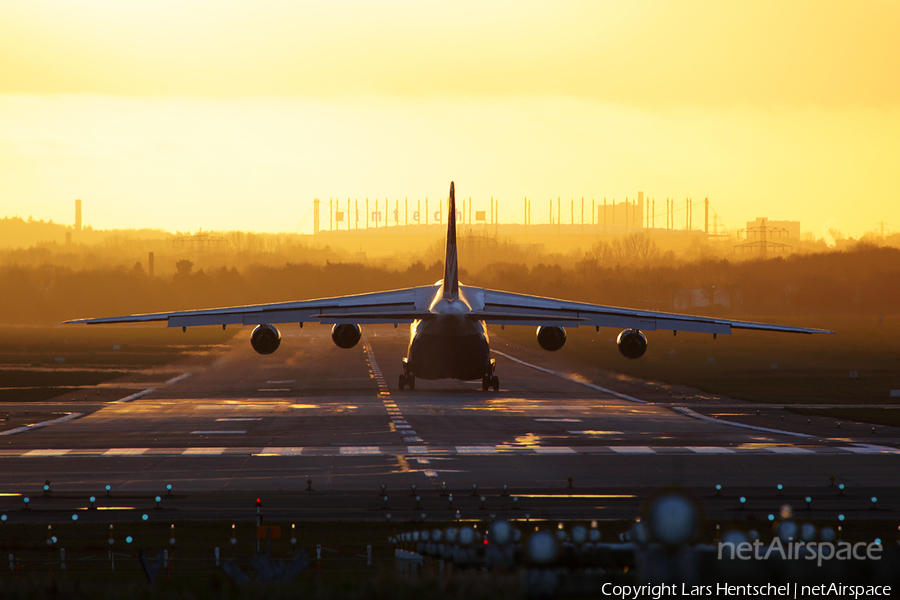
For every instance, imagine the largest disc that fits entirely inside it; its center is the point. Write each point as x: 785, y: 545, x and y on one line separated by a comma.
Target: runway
x: 312, y: 411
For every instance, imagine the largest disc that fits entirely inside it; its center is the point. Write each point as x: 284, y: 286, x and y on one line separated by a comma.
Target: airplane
x: 448, y: 333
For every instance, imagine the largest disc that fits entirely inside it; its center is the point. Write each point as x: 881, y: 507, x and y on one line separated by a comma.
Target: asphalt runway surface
x: 247, y: 425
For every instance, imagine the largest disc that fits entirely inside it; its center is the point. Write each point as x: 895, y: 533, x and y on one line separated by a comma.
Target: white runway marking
x: 46, y: 452
x: 125, y: 451
x: 632, y: 450
x: 240, y: 419
x: 233, y: 432
x: 136, y: 396
x: 559, y: 420
x: 430, y: 473
x: 870, y: 449
x: 788, y: 450
x: 359, y: 450
x: 690, y: 413
x: 418, y: 451
x: 710, y: 450
x: 476, y: 450
x: 24, y: 428
x: 203, y: 451
x: 181, y: 377
x: 571, y: 378
x: 281, y: 451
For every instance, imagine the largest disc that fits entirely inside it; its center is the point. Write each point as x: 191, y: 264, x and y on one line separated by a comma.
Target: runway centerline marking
x: 399, y: 423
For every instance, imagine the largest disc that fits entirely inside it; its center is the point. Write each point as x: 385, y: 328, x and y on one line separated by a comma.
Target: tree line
x: 864, y: 280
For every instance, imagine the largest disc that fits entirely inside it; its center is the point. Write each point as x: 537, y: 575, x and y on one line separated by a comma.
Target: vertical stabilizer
x: 451, y: 265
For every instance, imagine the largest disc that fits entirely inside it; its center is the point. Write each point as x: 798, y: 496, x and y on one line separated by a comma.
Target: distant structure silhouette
x: 763, y: 232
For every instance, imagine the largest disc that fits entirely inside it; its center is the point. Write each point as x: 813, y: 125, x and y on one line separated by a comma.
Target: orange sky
x: 225, y: 115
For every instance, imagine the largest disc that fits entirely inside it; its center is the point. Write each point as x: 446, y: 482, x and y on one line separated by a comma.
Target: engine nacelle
x: 632, y: 343
x: 346, y: 335
x: 265, y: 339
x: 551, y: 338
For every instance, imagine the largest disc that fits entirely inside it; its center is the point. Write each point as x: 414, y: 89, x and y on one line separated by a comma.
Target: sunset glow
x: 227, y: 115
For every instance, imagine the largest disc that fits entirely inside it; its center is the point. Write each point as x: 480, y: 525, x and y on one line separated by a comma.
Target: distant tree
x: 183, y: 267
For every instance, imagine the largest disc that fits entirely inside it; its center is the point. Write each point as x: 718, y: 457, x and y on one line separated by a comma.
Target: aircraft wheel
x: 411, y: 381
x: 485, y: 383
x: 402, y: 381
x: 495, y: 383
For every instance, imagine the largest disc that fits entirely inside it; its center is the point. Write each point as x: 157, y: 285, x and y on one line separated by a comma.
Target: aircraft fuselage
x: 449, y: 345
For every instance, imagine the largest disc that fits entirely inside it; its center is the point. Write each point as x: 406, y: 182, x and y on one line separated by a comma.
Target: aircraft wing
x: 395, y: 306
x: 507, y: 308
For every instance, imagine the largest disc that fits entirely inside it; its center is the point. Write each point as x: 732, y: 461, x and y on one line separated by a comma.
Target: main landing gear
x: 490, y: 380
x: 407, y: 378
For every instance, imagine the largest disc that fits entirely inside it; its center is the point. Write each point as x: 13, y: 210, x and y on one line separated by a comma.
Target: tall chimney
x: 77, y: 215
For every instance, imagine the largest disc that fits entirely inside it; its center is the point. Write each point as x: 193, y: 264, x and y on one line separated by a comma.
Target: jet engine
x: 632, y: 343
x: 265, y: 339
x: 551, y: 338
x: 346, y: 335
